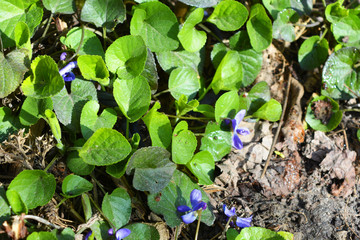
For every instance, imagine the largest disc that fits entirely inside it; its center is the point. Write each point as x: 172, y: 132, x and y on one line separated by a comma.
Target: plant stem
x: 127, y: 132
x: 176, y: 232
x: 104, y: 37
x: 351, y: 110
x: 1, y: 44
x: 102, y: 214
x: 47, y: 25
x: 81, y: 42
x: 41, y: 220
x: 323, y: 35
x: 198, y: 226
x: 209, y: 31
x: 223, y: 236
x: 51, y: 163
x: 324, y: 3
x: 204, y: 93
x: 61, y: 202
x: 159, y: 93
x: 189, y: 118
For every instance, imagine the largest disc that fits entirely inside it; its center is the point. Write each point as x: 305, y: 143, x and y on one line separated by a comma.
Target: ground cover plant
x: 179, y: 119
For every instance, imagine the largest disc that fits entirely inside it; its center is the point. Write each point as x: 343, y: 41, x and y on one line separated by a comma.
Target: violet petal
x: 122, y: 233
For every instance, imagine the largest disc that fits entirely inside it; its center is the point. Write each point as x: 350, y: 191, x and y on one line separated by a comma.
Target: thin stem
x: 204, y: 93
x: 357, y: 65
x: 127, y: 133
x: 226, y: 227
x: 1, y: 44
x: 74, y: 148
x: 41, y: 220
x: 159, y: 93
x: 102, y: 214
x: 209, y: 31
x: 323, y: 35
x: 81, y: 42
x: 61, y: 202
x: 189, y: 118
x: 177, y: 232
x: 47, y: 25
x: 104, y: 37
x: 351, y: 110
x: 198, y: 226
x: 51, y: 163
x: 324, y: 3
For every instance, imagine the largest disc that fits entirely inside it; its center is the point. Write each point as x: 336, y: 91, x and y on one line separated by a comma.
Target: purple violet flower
x: 63, y: 56
x: 236, y: 142
x: 197, y: 205
x: 66, y: 71
x: 240, y: 222
x: 88, y: 235
x: 119, y: 234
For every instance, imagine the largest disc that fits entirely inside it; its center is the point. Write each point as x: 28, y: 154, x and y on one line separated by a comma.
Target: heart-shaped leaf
x: 227, y: 106
x: 126, y: 56
x: 313, y: 52
x: 105, y: 147
x: 202, y: 165
x: 93, y: 68
x: 229, y: 15
x: 45, y: 80
x: 157, y: 25
x: 270, y: 111
x: 74, y: 186
x: 30, y: 183
x: 133, y: 97
x: 117, y: 207
x: 142, y: 231
x: 60, y: 6
x: 152, y: 169
x: 33, y: 109
x: 191, y: 39
x: 171, y: 60
x: 184, y: 144
x: 90, y: 121
x: 184, y: 81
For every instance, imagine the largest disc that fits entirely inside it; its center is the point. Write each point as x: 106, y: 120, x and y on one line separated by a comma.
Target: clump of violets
x: 240, y: 222
x: 236, y: 130
x: 196, y: 204
x: 119, y: 234
x: 66, y: 71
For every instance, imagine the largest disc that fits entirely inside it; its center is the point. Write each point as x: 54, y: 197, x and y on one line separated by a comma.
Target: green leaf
x: 259, y: 28
x: 41, y: 236
x: 358, y: 134
x: 150, y: 72
x: 93, y: 67
x: 339, y: 70
x: 77, y: 165
x: 251, y: 60
x: 184, y: 81
x: 229, y: 74
x: 142, y: 231
x: 16, y: 203
x: 283, y: 28
x: 258, y: 96
x: 157, y: 25
x: 202, y: 165
x: 90, y: 121
x: 126, y: 56
x: 33, y: 109
x: 103, y: 13
x: 133, y: 97
x: 218, y: 53
x: 5, y: 209
x: 231, y: 234
x: 54, y: 125
x: 258, y: 233
x: 200, y: 3
x: 60, y: 6
x: 229, y: 15
x: 105, y: 147
x: 14, y: 11
x: 74, y: 186
x: 206, y: 110
x: 216, y: 140
x: 183, y: 106
x: 191, y: 39
x: 181, y: 59
x: 152, y: 169
x: 66, y: 234
x: 13, y: 66
x: 286, y: 235
x: 30, y: 183
x: 302, y: 6
x: 22, y: 37
x: 320, y: 117
x: 177, y: 193
x: 91, y: 44
x: 159, y: 127
x: 275, y: 6
x: 184, y: 144
x: 8, y: 123
x: 313, y: 52
x: 334, y: 12
x: 227, y: 106
x: 45, y: 80
x: 347, y: 29
x: 68, y: 106
x: 270, y: 111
